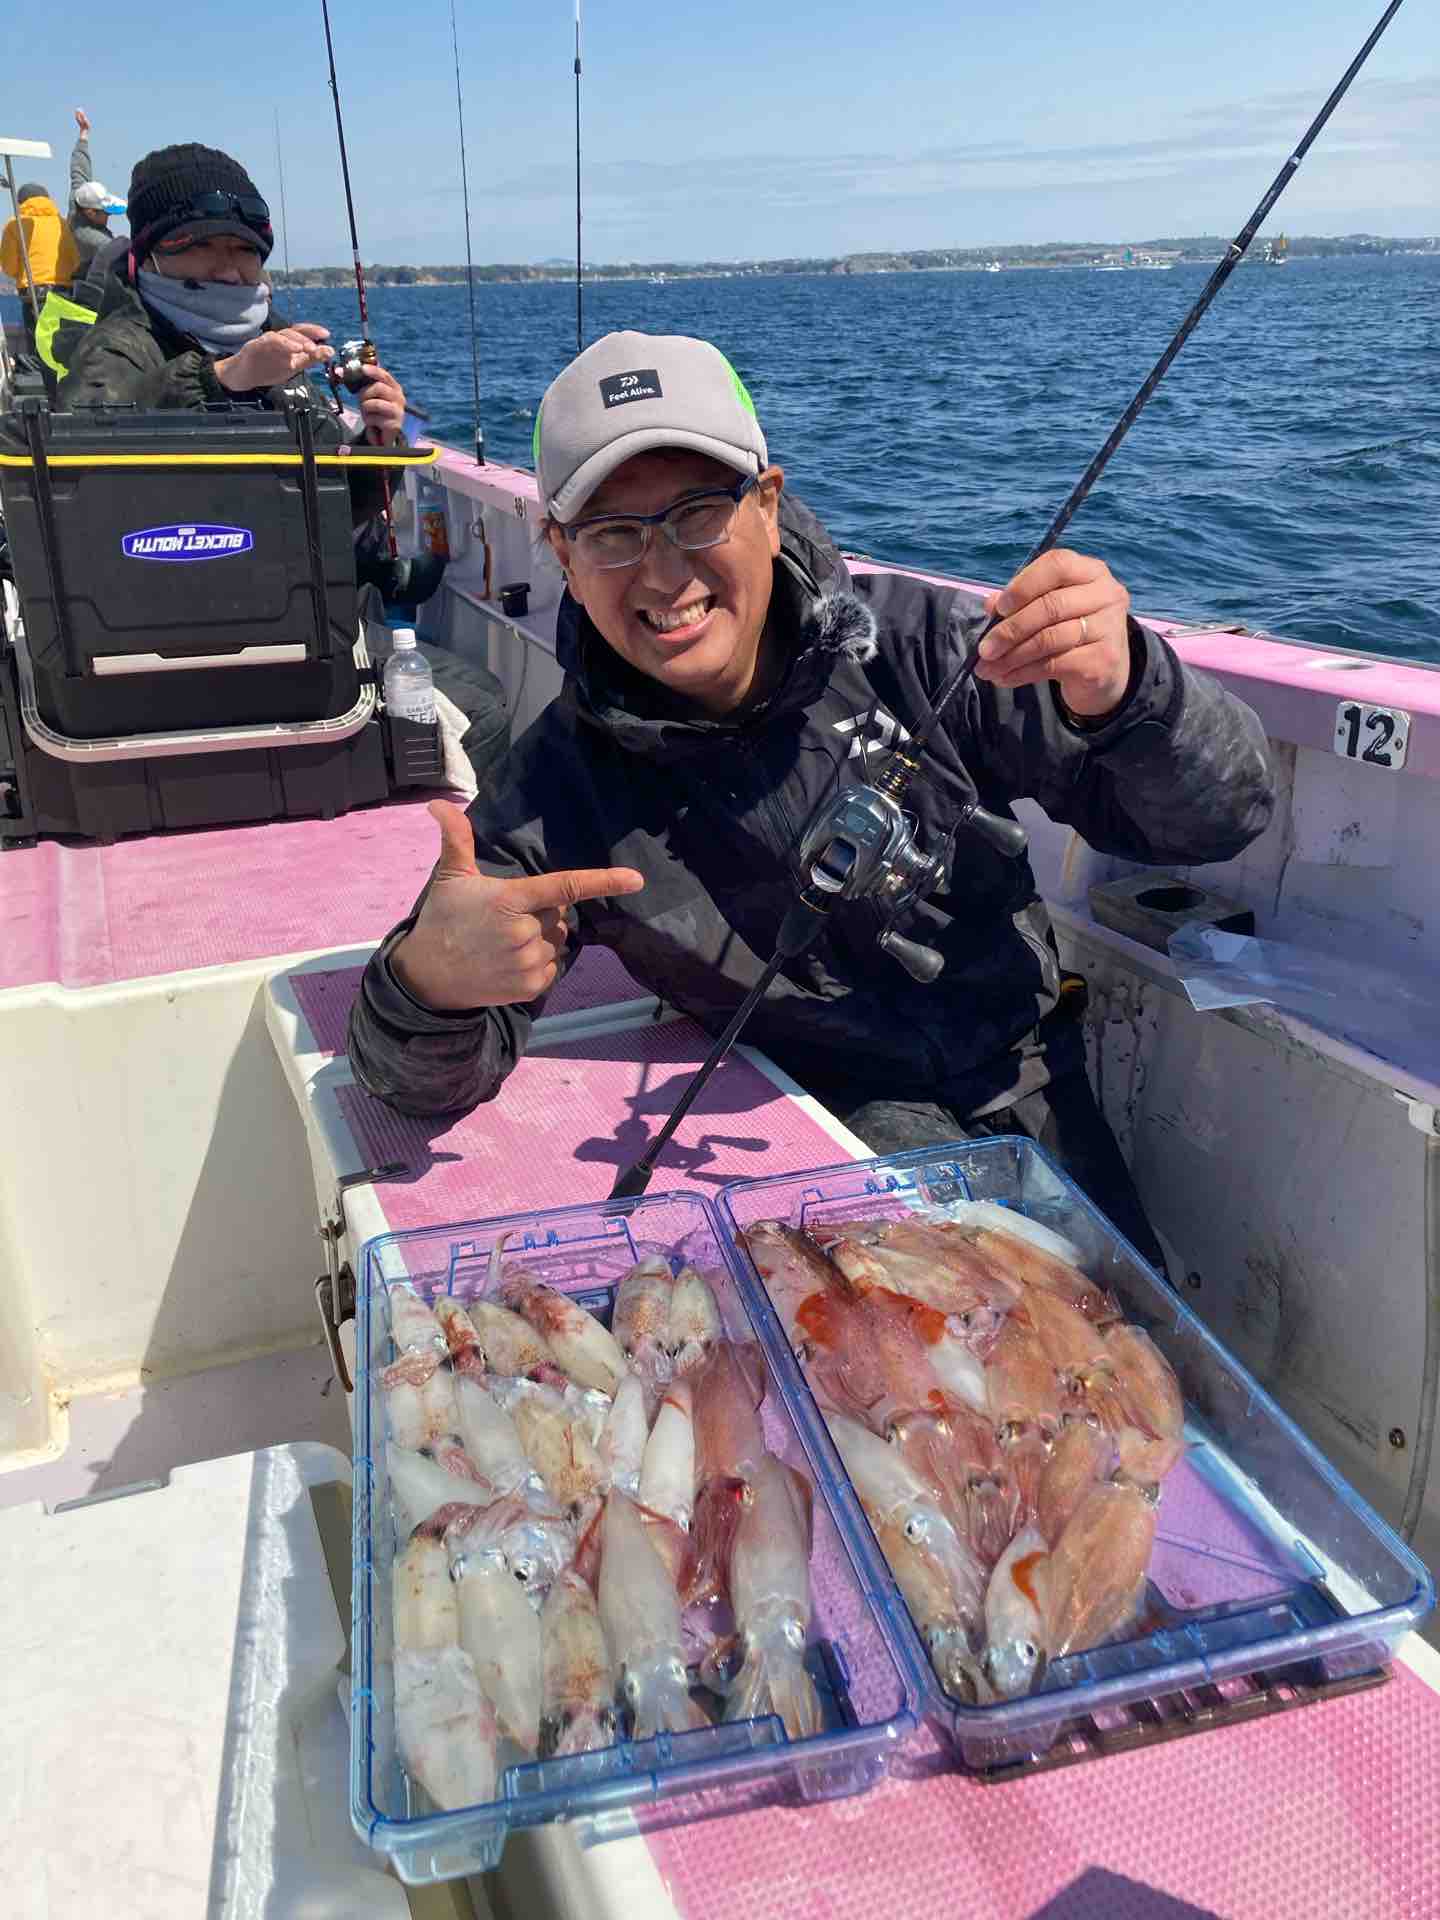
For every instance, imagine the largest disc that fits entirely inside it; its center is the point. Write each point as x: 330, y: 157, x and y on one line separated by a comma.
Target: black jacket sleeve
x: 420, y: 1061
x: 416, y: 1059
x: 1180, y: 773
x: 121, y: 363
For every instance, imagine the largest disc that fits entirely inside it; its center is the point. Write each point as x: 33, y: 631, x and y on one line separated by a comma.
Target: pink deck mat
x: 572, y: 1115
x: 85, y: 916
x: 597, y: 979
x: 1326, y: 1811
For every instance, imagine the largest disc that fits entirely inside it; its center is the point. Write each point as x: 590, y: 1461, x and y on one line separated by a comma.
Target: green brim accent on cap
x: 742, y: 393
x: 535, y: 440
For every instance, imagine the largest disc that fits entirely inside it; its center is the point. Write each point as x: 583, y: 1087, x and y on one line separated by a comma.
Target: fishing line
x: 368, y: 348
x: 905, y: 761
x: 579, y: 272
x: 862, y: 847
x: 284, y: 217
x: 469, y: 265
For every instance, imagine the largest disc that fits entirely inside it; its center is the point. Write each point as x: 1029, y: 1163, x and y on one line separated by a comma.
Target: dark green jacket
x: 131, y: 357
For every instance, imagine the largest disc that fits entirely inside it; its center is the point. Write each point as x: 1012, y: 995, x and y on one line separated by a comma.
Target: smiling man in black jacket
x: 723, y: 675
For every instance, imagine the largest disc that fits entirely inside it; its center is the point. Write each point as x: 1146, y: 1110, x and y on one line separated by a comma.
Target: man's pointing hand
x: 482, y: 942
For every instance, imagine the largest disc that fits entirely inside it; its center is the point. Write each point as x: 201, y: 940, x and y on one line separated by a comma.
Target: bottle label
x: 418, y: 705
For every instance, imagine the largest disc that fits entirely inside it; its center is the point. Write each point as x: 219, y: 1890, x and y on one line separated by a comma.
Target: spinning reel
x: 347, y: 368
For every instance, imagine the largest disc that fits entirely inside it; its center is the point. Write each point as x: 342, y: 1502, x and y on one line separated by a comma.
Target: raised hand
x: 82, y: 121
x: 1064, y: 620
x: 482, y: 942
x: 270, y: 359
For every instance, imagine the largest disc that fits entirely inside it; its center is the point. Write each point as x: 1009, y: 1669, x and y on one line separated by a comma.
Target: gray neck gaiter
x: 222, y: 318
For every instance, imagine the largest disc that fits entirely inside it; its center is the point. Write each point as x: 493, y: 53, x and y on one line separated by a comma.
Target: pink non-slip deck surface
x: 86, y: 916
x: 596, y: 979
x: 1328, y: 1813
x: 572, y: 1115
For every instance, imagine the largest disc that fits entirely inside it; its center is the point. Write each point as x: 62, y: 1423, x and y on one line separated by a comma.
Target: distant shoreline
x: 1150, y: 255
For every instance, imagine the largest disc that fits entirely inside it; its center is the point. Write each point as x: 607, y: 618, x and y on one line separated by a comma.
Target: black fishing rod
x: 345, y: 369
x: 469, y: 265
x: 904, y: 762
x: 579, y: 270
x: 345, y: 177
x: 861, y: 845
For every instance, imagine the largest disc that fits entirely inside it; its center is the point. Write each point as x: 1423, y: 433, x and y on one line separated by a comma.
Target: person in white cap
x: 725, y: 674
x: 91, y: 201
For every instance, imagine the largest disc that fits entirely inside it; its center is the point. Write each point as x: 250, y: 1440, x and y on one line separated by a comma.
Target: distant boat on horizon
x: 1132, y: 262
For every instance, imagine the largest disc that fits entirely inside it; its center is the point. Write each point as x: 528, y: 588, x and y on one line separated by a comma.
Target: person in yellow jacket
x: 49, y: 246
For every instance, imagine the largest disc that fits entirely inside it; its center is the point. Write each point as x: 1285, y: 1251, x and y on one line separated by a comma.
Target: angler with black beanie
x: 185, y: 318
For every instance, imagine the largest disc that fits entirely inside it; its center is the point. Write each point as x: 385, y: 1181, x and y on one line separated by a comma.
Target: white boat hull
x: 178, y: 1225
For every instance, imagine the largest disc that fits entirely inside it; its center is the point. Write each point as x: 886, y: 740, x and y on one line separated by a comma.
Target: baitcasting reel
x: 345, y: 370
x: 862, y: 846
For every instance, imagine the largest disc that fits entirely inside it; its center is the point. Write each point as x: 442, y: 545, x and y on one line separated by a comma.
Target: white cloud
x: 1382, y: 148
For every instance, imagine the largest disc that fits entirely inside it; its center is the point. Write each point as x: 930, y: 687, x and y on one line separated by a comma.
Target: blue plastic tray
x: 1265, y: 1558
x: 862, y: 1670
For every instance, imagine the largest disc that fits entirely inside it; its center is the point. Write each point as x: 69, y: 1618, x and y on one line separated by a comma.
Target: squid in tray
x: 769, y: 1581
x: 640, y: 1612
x: 640, y: 1323
x: 695, y: 1323
x: 583, y: 1347
x: 562, y: 1491
x: 1006, y: 1430
x: 577, y: 1686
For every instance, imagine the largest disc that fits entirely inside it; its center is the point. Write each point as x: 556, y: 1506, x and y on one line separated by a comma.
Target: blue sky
x: 754, y: 129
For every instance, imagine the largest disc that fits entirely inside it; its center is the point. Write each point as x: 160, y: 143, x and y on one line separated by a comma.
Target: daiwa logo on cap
x: 644, y: 384
x: 186, y: 543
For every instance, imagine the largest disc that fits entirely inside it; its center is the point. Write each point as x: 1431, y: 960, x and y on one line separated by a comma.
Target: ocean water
x: 1286, y: 475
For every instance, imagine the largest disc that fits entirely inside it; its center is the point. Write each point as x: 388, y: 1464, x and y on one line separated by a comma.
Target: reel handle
x: 921, y: 963
x: 1007, y: 837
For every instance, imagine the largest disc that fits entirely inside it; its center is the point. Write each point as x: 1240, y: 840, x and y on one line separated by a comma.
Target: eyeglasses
x: 699, y: 520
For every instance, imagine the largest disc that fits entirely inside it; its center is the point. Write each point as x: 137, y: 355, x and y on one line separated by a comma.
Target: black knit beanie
x: 165, y: 186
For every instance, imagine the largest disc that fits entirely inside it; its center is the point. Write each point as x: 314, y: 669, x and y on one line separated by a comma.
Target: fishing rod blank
x: 579, y: 271
x: 904, y: 762
x: 367, y: 353
x: 850, y: 877
x: 345, y: 176
x: 469, y: 265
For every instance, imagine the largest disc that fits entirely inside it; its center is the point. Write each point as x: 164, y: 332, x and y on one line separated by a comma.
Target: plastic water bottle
x: 409, y: 684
